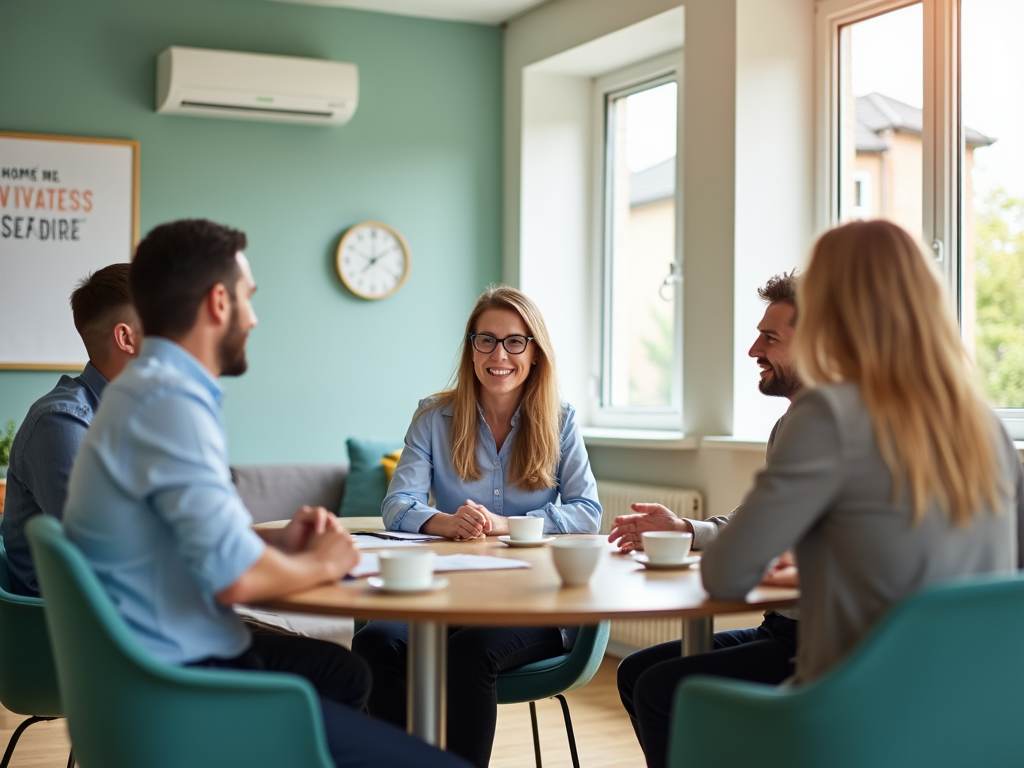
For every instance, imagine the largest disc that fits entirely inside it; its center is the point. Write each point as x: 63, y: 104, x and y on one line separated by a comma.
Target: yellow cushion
x: 389, y: 463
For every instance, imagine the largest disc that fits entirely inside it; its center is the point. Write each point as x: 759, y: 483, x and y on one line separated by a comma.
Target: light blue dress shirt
x: 41, y: 457
x: 152, y: 507
x: 426, y: 465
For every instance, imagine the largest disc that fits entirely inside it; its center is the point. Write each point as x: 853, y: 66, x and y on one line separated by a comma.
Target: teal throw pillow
x: 366, y: 484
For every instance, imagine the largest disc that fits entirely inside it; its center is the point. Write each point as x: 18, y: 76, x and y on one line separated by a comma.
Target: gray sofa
x: 275, y: 492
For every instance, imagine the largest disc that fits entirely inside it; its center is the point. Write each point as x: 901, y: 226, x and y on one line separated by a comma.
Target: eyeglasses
x: 485, y: 343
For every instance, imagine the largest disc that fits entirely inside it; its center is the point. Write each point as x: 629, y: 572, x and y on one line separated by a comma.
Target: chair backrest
x: 126, y: 709
x: 559, y: 675
x: 28, y: 680
x: 938, y: 683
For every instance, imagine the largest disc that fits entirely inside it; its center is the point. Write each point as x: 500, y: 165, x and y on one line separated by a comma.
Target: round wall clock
x: 372, y: 260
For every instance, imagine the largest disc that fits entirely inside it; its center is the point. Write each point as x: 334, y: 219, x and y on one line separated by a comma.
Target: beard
x: 231, y: 352
x: 783, y: 381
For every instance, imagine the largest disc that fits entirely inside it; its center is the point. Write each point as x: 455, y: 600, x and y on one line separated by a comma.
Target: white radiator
x: 615, y: 497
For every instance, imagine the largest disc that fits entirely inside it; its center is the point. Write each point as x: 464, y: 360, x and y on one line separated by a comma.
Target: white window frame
x: 941, y: 133
x: 634, y: 78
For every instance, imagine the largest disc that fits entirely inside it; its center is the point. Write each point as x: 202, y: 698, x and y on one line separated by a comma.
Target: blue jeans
x: 648, y: 679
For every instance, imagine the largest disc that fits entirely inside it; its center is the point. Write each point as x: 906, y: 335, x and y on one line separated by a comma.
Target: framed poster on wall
x: 68, y: 206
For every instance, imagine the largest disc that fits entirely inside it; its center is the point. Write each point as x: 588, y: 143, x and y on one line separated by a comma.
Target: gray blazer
x: 827, y: 493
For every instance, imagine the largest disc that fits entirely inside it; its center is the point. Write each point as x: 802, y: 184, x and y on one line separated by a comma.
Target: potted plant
x: 6, y: 439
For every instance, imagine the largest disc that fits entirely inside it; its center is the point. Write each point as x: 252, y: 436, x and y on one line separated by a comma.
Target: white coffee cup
x: 667, y: 546
x: 407, y: 567
x: 576, y: 558
x: 521, y: 528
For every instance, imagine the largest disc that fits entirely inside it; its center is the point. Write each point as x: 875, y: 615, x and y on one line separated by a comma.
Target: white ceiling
x: 477, y: 11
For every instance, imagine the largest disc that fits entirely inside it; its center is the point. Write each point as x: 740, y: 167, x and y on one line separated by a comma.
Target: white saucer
x: 508, y: 540
x: 377, y: 584
x: 686, y: 562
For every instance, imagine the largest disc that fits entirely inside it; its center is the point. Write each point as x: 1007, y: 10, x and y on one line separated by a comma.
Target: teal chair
x: 125, y: 709
x: 28, y: 680
x: 553, y: 678
x: 938, y: 684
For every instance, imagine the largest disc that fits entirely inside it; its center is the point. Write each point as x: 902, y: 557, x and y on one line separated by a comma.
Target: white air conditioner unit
x: 253, y: 86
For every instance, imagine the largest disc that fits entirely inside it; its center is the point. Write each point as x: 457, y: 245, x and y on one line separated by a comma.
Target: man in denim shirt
x: 48, y: 441
x: 153, y: 509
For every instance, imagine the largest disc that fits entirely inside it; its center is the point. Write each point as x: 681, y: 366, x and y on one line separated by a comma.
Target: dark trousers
x: 342, y: 681
x: 475, y: 657
x: 648, y: 679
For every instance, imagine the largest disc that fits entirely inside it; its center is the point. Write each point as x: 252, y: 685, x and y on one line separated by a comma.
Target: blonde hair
x: 537, y: 447
x: 873, y: 311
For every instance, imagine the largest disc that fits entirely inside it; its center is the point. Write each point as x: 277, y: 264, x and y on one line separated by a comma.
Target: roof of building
x: 877, y: 113
x: 652, y: 184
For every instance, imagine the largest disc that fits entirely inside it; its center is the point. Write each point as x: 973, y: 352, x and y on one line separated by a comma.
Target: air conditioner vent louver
x: 267, y: 110
x: 248, y: 86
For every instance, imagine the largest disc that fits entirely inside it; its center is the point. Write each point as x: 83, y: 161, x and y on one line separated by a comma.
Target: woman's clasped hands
x: 472, y: 521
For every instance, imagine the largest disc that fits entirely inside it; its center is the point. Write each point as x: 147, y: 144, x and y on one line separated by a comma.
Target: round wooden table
x: 620, y: 588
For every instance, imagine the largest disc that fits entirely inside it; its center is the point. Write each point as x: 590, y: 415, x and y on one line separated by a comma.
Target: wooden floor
x: 603, y: 734
x: 43, y: 745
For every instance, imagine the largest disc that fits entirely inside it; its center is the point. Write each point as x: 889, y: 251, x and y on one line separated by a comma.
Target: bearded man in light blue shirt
x: 152, y: 507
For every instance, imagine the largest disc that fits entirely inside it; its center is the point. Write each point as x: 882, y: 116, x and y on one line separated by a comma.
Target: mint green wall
x: 422, y: 153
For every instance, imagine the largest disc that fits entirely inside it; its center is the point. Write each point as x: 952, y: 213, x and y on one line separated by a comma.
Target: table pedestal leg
x: 427, y: 676
x: 697, y: 635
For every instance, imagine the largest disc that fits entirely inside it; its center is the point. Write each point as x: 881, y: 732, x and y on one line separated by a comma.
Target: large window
x: 641, y: 328
x: 926, y: 128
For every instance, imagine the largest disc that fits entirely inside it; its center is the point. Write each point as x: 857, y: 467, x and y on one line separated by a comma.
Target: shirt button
x: 495, y: 462
x: 497, y: 492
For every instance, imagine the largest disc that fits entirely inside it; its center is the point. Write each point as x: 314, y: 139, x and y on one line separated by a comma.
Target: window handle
x: 939, y: 249
x: 675, y: 275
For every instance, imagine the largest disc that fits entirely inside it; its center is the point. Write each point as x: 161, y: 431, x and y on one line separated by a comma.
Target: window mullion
x: 941, y: 138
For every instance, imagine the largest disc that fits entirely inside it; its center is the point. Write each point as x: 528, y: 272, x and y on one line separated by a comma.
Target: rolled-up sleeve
x: 178, y: 445
x: 405, y: 507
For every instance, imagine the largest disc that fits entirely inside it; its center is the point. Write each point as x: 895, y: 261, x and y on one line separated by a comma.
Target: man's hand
x: 325, y: 558
x: 335, y: 546
x: 627, y: 529
x: 783, y: 572
x: 307, y: 524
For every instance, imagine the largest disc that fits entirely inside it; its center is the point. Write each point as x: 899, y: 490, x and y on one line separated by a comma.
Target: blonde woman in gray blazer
x: 890, y: 473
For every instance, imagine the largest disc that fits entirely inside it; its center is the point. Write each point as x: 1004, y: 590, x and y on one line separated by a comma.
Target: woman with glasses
x: 499, y: 443
x: 891, y: 472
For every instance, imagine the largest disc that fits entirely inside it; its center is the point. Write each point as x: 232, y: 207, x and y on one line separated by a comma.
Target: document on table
x: 369, y: 564
x: 367, y: 541
x: 397, y: 535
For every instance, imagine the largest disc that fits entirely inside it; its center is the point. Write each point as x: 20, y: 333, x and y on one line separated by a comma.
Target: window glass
x: 641, y: 347
x: 880, y: 119
x: 992, y: 194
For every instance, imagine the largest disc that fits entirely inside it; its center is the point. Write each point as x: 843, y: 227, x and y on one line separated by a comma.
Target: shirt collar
x: 177, y: 357
x: 93, y: 379
x: 515, y: 416
x: 449, y: 410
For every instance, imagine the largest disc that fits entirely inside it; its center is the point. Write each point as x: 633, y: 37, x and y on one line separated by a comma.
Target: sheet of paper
x: 369, y: 564
x: 467, y: 562
x: 399, y: 535
x: 364, y: 541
